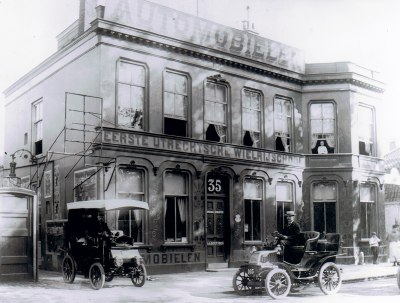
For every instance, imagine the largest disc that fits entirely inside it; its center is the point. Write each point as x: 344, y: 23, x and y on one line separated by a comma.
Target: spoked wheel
x: 398, y: 277
x: 278, y: 283
x: 241, y: 281
x: 329, y: 278
x: 97, y: 276
x: 68, y: 269
x: 139, y: 275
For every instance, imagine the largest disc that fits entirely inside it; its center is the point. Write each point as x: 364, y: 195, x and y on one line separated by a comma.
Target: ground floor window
x: 131, y: 186
x: 284, y: 203
x: 252, y: 209
x: 367, y: 209
x: 324, y: 197
x: 176, y: 207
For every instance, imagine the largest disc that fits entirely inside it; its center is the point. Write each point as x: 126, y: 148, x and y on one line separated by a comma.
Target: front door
x: 215, y: 230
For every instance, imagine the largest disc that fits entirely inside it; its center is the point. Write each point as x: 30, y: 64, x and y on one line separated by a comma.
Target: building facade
x: 220, y: 130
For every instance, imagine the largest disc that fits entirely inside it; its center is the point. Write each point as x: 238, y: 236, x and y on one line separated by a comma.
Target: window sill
x: 166, y: 246
x: 148, y: 248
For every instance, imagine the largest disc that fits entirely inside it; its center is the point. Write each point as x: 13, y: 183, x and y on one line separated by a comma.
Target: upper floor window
x: 323, y: 125
x: 284, y: 203
x: 38, y: 127
x: 366, y: 131
x: 251, y: 118
x: 215, y: 108
x: 368, y: 209
x: 175, y: 104
x: 252, y: 209
x: 283, y: 120
x: 131, y: 95
x: 176, y: 207
x: 131, y: 186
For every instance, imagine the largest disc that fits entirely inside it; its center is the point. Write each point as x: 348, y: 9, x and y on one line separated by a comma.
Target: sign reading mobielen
x: 150, y: 141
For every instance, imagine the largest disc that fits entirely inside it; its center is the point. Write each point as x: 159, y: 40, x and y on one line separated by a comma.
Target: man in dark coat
x: 291, y: 233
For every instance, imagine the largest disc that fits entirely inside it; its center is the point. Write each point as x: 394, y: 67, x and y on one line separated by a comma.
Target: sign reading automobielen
x: 161, y: 20
x: 150, y: 141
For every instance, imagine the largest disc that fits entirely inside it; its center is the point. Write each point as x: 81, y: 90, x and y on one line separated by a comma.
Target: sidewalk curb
x: 365, y: 279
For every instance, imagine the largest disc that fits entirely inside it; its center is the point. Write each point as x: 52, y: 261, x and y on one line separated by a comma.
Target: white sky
x: 366, y: 32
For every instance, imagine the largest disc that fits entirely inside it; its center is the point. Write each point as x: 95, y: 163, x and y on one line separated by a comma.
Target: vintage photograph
x: 199, y: 151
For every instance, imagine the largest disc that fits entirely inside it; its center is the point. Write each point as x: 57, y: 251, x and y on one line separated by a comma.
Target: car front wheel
x: 241, y: 283
x: 68, y: 269
x: 329, y: 278
x: 278, y: 283
x: 139, y: 275
x: 97, y: 276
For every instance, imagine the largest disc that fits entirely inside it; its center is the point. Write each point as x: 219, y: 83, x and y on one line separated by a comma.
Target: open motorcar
x: 96, y: 252
x: 282, y: 270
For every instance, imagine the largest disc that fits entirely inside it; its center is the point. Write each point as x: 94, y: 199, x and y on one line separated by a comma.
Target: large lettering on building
x: 173, y: 258
x: 154, y: 18
x: 149, y: 141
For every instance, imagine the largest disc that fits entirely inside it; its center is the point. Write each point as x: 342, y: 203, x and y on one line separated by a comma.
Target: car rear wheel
x: 139, y: 275
x: 329, y: 278
x: 96, y: 276
x: 278, y: 283
x: 241, y: 281
x: 109, y: 278
x: 68, y: 269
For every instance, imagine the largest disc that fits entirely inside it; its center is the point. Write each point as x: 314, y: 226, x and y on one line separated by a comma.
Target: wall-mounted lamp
x: 12, y: 179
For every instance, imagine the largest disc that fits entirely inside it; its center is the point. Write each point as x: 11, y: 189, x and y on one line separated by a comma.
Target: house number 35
x: 214, y: 185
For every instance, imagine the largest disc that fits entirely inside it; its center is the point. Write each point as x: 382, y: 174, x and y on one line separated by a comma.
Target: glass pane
x: 284, y: 191
x: 246, y: 119
x: 131, y: 181
x: 256, y: 121
x: 252, y: 189
x: 124, y: 95
x: 288, y: 108
x: 170, y: 220
x: 169, y: 84
x: 137, y: 97
x: 327, y: 111
x: 124, y: 74
x: 180, y: 106
x: 210, y: 91
x: 181, y: 212
x: 219, y: 113
x: 316, y: 111
x: 246, y: 100
x: 169, y: 104
x: 181, y: 84
x: 209, y: 109
x: 39, y: 131
x: 319, y: 217
x: 220, y: 93
x: 324, y: 191
x: 256, y: 220
x: 328, y: 127
x: 256, y: 101
x: 367, y: 193
x: 330, y: 217
x: 138, y: 77
x: 316, y: 126
x: 175, y: 184
x: 247, y: 220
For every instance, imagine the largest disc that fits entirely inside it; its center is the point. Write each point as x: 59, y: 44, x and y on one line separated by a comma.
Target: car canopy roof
x: 114, y: 204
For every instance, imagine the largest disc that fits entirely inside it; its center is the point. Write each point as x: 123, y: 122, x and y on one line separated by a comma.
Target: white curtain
x: 137, y: 214
x: 255, y: 136
x: 221, y: 131
x: 182, y: 208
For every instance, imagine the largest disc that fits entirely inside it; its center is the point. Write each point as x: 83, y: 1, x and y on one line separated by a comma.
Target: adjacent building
x: 220, y: 130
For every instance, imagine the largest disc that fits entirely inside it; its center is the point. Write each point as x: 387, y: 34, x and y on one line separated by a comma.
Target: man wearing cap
x: 291, y: 233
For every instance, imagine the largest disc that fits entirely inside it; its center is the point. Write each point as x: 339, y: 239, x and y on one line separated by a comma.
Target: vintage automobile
x: 281, y: 271
x: 99, y: 256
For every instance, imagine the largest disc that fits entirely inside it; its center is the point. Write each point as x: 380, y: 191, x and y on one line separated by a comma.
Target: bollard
x: 361, y: 258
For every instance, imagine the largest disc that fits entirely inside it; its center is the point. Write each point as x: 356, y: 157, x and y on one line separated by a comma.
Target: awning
x: 114, y: 204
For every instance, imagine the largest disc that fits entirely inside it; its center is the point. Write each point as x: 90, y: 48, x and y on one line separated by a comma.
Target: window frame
x: 324, y: 201
x: 334, y: 126
x: 145, y: 93
x: 287, y: 118
x: 372, y: 124
x: 37, y: 123
x: 188, y: 100
x: 188, y: 209
x: 252, y: 200
x: 258, y: 143
x: 143, y: 194
x: 225, y: 85
x: 284, y: 202
x: 370, y: 222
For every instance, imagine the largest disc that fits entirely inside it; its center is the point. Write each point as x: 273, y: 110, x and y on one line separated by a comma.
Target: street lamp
x: 12, y: 180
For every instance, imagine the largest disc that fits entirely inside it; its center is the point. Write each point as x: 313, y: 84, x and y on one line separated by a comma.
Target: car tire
x: 240, y: 283
x: 278, y: 283
x: 139, y: 275
x: 329, y: 278
x: 68, y: 269
x: 97, y: 276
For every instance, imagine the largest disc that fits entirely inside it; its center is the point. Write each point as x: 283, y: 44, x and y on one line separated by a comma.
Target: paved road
x: 185, y: 288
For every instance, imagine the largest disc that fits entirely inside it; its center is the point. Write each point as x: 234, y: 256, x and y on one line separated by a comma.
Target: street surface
x: 184, y: 288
